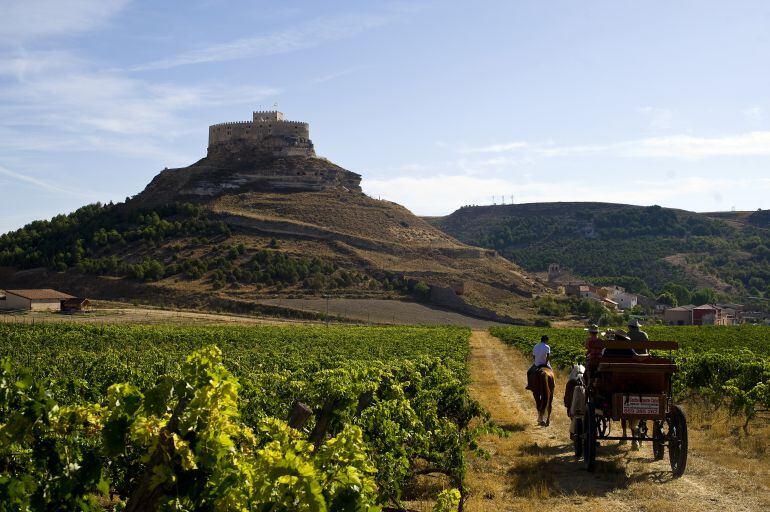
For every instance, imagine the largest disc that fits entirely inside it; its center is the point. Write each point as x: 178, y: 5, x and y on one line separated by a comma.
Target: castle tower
x: 268, y: 131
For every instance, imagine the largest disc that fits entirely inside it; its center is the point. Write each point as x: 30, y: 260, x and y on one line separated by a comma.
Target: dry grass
x: 719, y: 436
x: 534, y: 468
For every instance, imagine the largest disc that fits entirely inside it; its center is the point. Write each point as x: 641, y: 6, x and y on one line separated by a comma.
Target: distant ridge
x: 727, y: 251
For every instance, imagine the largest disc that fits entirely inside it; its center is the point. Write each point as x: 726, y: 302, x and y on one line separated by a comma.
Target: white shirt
x: 541, y: 352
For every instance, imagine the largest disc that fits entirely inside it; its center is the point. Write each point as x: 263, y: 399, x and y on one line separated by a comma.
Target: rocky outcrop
x: 236, y: 167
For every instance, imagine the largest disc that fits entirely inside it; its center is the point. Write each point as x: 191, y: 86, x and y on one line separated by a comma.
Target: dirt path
x: 534, y: 468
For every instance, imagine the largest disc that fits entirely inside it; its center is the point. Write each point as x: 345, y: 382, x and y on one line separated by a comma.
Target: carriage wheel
x: 677, y: 441
x: 578, y: 439
x: 658, y: 439
x: 589, y: 438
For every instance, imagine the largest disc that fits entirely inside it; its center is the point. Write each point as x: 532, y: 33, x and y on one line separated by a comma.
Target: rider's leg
x: 530, y: 372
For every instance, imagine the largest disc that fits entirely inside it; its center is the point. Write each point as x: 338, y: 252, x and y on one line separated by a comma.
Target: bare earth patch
x: 534, y: 468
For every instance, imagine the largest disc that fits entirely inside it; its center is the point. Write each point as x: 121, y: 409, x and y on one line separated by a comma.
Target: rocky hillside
x: 642, y: 247
x: 241, y: 226
x: 236, y: 168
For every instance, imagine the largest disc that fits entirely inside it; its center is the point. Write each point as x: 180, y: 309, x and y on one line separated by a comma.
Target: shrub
x: 422, y: 290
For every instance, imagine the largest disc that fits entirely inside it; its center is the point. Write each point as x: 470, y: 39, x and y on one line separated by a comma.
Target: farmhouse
x: 34, y: 300
x: 618, y: 294
x: 681, y: 315
x: 75, y: 305
x: 707, y: 314
x: 714, y: 314
x: 577, y: 289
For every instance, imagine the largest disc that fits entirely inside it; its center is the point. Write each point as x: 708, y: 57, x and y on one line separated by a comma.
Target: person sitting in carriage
x: 541, y: 356
x: 619, y: 335
x: 592, y: 353
x: 635, y: 333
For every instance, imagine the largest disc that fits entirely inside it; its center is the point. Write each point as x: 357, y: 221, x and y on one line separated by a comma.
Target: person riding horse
x: 541, y: 381
x: 541, y: 356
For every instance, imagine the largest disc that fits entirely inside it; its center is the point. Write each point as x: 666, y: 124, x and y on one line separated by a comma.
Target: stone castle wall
x: 268, y: 130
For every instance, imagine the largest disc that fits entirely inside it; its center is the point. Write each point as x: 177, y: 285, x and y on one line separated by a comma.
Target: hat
x: 621, y: 335
x: 593, y: 329
x: 634, y: 323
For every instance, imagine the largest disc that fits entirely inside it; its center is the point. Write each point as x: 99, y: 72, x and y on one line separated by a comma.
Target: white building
x: 34, y: 300
x: 625, y: 300
x: 618, y: 294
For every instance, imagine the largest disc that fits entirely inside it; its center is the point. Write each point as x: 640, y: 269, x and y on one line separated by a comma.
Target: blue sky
x: 436, y: 104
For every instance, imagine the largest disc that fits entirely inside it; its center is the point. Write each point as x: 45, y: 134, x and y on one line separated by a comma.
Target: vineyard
x: 231, y: 418
x: 721, y: 364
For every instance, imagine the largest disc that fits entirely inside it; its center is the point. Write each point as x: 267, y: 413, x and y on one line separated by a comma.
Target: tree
x: 756, y: 282
x: 682, y: 294
x: 704, y: 296
x: 668, y: 299
x: 422, y: 290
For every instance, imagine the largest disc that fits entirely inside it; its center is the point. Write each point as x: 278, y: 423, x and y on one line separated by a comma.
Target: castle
x: 269, y: 131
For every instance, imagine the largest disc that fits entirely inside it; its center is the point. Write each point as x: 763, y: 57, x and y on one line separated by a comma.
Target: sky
x: 437, y: 104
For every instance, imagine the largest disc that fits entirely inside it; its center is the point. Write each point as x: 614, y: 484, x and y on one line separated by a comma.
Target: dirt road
x: 534, y: 468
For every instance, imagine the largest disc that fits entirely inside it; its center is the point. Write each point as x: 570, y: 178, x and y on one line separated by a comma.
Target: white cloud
x: 38, y: 183
x: 687, y: 146
x: 497, y: 148
x: 26, y: 20
x: 303, y: 36
x: 442, y: 194
x: 755, y: 143
x: 657, y: 118
x: 22, y: 63
x: 754, y: 114
x: 335, y: 75
x: 68, y: 106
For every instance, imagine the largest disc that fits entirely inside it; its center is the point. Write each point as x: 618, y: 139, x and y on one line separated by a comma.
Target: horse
x: 575, y: 378
x: 575, y: 397
x: 635, y: 425
x: 543, y: 384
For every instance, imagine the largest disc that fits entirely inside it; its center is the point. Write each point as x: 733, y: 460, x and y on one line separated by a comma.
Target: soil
x: 380, y: 311
x: 535, y: 469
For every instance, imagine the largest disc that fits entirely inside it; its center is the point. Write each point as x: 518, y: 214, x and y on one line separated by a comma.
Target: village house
x: 75, y: 305
x: 681, y: 315
x: 577, y: 289
x: 707, y: 314
x: 646, y: 302
x: 619, y: 295
x: 34, y: 300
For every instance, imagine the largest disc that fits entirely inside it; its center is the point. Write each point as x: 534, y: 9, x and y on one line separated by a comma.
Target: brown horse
x: 543, y: 384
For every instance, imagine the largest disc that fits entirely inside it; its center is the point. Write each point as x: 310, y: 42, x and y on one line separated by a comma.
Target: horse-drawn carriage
x: 635, y: 388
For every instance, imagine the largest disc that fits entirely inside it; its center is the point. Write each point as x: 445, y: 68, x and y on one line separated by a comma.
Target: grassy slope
x: 725, y: 251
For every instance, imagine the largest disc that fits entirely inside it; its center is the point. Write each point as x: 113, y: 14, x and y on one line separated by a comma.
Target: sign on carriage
x: 642, y: 405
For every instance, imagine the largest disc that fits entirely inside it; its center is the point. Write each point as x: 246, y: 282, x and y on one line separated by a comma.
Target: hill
x: 643, y: 248
x: 242, y: 225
